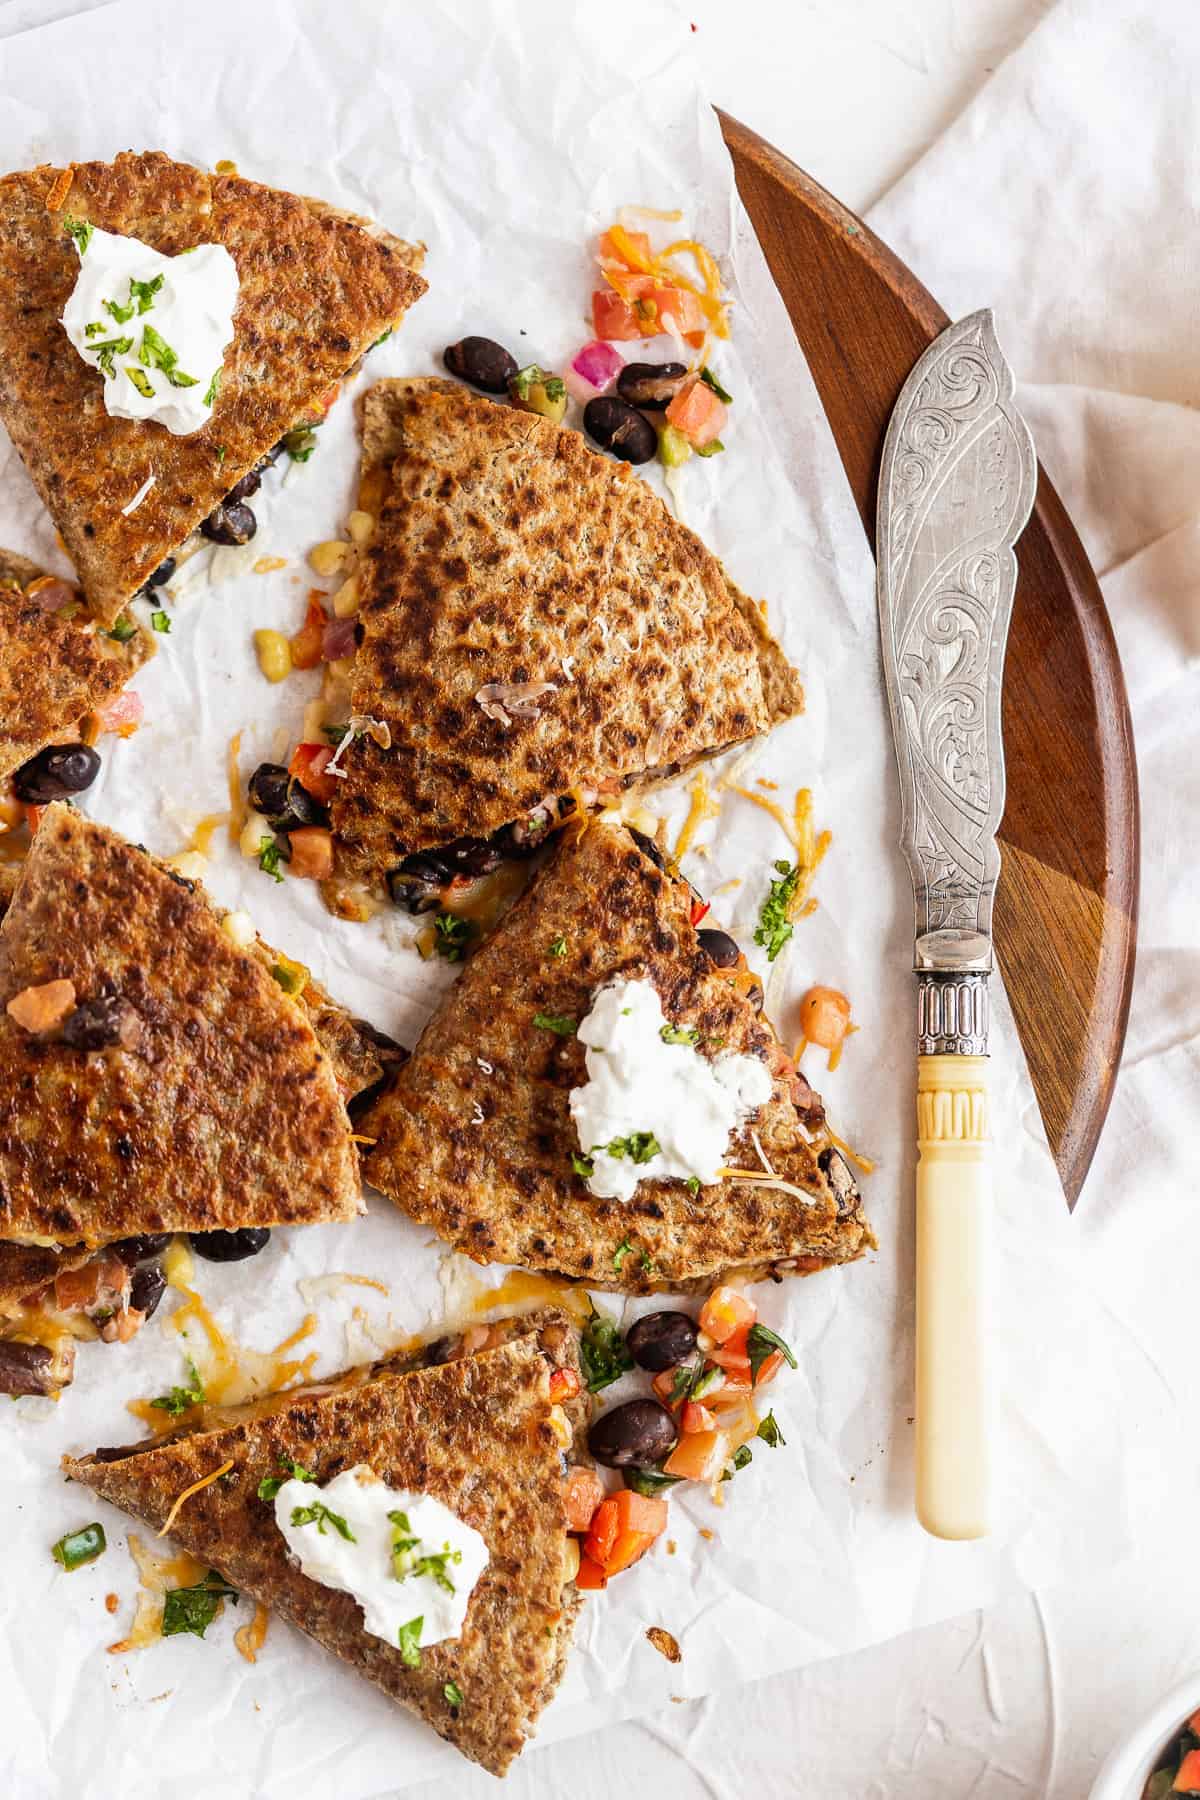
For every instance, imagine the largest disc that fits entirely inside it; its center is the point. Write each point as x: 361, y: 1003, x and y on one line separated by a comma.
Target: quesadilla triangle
x: 315, y: 289
x: 154, y: 1076
x: 56, y: 665
x: 477, y: 1137
x: 482, y: 1436
x: 534, y: 625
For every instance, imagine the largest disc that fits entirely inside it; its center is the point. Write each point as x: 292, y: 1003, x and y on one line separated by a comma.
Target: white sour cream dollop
x: 639, y: 1083
x: 363, y: 1564
x: 157, y: 327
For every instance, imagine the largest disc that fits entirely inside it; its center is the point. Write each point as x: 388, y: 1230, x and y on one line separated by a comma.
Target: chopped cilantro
x: 123, y: 630
x: 409, y: 1639
x: 95, y: 328
x: 451, y: 935
x: 180, y: 1398
x: 741, y: 1456
x: 774, y: 927
x: 558, y: 946
x: 108, y: 349
x: 210, y: 395
x: 318, y: 1514
x: 270, y: 1485
x: 710, y: 381
x: 560, y: 1023
x: 679, y: 1034
x: 300, y: 442
x: 144, y: 291
x: 602, y: 1352
x: 81, y: 231
x: 620, y: 1253
x: 156, y: 353
x: 451, y: 1690
x: 760, y: 1341
x: 268, y: 857
x: 141, y: 381
x: 406, y: 1562
x: 79, y: 1547
x: 693, y: 1184
x: 193, y: 1609
x: 122, y: 314
x: 649, y: 1481
x: 582, y: 1165
x: 381, y: 339
x: 639, y: 1146
x: 769, y: 1432
x: 222, y: 453
x: 160, y: 620
x: 685, y: 1377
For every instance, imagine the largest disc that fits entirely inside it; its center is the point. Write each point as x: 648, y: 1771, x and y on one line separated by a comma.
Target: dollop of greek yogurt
x: 410, y: 1562
x: 653, y: 1108
x: 157, y: 327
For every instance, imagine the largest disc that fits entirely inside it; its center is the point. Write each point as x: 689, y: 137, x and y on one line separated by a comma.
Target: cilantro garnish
x: 602, y: 1352
x: 268, y: 857
x: 741, y: 1456
x: 409, y: 1639
x: 108, y: 349
x: 122, y: 314
x: 270, y: 1485
x: 582, y: 1165
x: 123, y: 630
x: 180, y: 1398
x: 144, y: 291
x: 620, y: 1253
x: 451, y: 934
x: 95, y: 328
x: 774, y: 927
x: 693, y: 1185
x: 141, y: 381
x: 381, y: 339
x: 560, y: 1023
x: 649, y: 1481
x: 81, y: 231
x: 451, y: 1690
x: 769, y: 1432
x: 558, y: 946
x: 300, y: 442
x: 406, y: 1562
x: 156, y: 353
x: 710, y: 381
x: 160, y: 620
x: 639, y: 1146
x: 679, y: 1034
x: 210, y: 395
x: 318, y: 1514
x: 193, y: 1609
x: 760, y: 1341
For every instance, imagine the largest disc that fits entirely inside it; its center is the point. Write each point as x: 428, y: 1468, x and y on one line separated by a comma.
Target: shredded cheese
x: 702, y: 807
x: 237, y: 800
x: 751, y: 1178
x: 205, y: 1481
x: 249, y: 1638
x: 140, y: 495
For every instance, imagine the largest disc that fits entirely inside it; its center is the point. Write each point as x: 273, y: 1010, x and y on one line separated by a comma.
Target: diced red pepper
x: 308, y: 766
x: 564, y: 1384
x: 1187, y: 1781
x: 306, y: 644
x: 312, y: 853
x: 696, y: 1417
x: 699, y: 909
x: 590, y: 1575
x: 603, y: 1533
x: 33, y: 817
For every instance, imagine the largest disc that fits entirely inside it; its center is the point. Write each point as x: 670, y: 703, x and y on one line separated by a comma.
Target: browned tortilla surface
x: 476, y: 1433
x: 508, y: 552
x: 225, y: 1112
x: 53, y: 671
x: 316, y: 290
x: 475, y: 1137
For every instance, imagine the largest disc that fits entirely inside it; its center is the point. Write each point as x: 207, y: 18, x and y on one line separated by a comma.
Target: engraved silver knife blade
x: 956, y: 488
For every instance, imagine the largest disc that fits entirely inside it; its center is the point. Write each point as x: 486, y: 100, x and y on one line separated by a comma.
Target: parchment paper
x: 506, y: 137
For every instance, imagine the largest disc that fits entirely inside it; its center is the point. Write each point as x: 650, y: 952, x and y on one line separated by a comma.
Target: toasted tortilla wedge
x: 224, y: 1111
x: 317, y: 290
x: 53, y: 670
x: 533, y: 621
x: 475, y: 1137
x: 479, y: 1434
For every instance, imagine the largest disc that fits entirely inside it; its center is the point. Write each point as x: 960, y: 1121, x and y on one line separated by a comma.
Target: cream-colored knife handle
x: 954, y: 1208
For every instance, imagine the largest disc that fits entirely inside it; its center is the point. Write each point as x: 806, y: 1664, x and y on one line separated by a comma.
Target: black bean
x: 55, y: 772
x: 242, y: 489
x: 620, y: 428
x: 234, y: 524
x: 837, y: 1173
x: 98, y: 1023
x: 283, y: 800
x: 470, y: 856
x: 639, y: 1432
x: 482, y: 362
x: 147, y: 1288
x: 413, y: 895
x: 719, y: 948
x: 135, y: 1250
x: 651, y: 384
x: 229, y: 1246
x: 163, y: 573
x: 660, y: 1340
x: 25, y: 1368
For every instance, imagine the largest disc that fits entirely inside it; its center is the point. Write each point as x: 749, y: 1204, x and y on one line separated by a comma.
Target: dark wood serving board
x: 1066, y: 909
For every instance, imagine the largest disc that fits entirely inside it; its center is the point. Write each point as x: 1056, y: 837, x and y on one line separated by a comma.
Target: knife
x: 956, y: 487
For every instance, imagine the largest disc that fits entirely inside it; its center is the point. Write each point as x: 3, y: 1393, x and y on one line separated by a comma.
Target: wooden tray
x: 1066, y: 909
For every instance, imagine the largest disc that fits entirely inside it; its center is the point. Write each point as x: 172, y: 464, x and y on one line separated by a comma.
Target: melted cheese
x: 156, y: 1574
x: 187, y: 1493
x: 249, y: 1638
x: 703, y: 807
x: 521, y: 1291
x: 238, y: 808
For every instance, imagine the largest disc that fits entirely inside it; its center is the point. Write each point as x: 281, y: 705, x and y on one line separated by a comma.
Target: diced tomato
x: 590, y: 1574
x: 688, y: 315
x: 699, y: 1456
x: 741, y: 1377
x: 603, y: 1532
x: 664, y: 1385
x: 697, y: 413
x: 699, y: 909
x: 308, y: 766
x: 646, y: 1513
x: 43, y: 1006
x: 723, y: 1312
x: 122, y: 715
x: 306, y: 644
x: 1188, y: 1779
x: 312, y: 853
x: 33, y: 817
x: 619, y: 252
x: 564, y: 1384
x: 102, y: 1282
x: 584, y: 1492
x: 696, y: 1417
x: 614, y: 319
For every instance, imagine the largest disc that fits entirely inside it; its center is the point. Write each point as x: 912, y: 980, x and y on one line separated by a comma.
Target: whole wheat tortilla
x: 476, y: 1433
x: 475, y: 1139
x: 507, y: 552
x: 226, y: 1113
x: 316, y: 290
x: 53, y: 670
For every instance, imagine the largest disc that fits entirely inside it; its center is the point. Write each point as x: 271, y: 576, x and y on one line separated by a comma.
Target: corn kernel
x: 345, y: 601
x: 254, y: 831
x: 328, y: 558
x: 190, y: 864
x: 274, y: 654
x: 315, y: 714
x: 239, y: 928
x: 570, y: 1559
x: 360, y: 525
x: 561, y: 1427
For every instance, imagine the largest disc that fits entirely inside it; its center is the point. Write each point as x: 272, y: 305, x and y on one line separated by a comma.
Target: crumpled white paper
x: 506, y: 138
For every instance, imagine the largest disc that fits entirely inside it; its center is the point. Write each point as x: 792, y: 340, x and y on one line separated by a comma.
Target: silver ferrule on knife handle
x: 952, y: 1014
